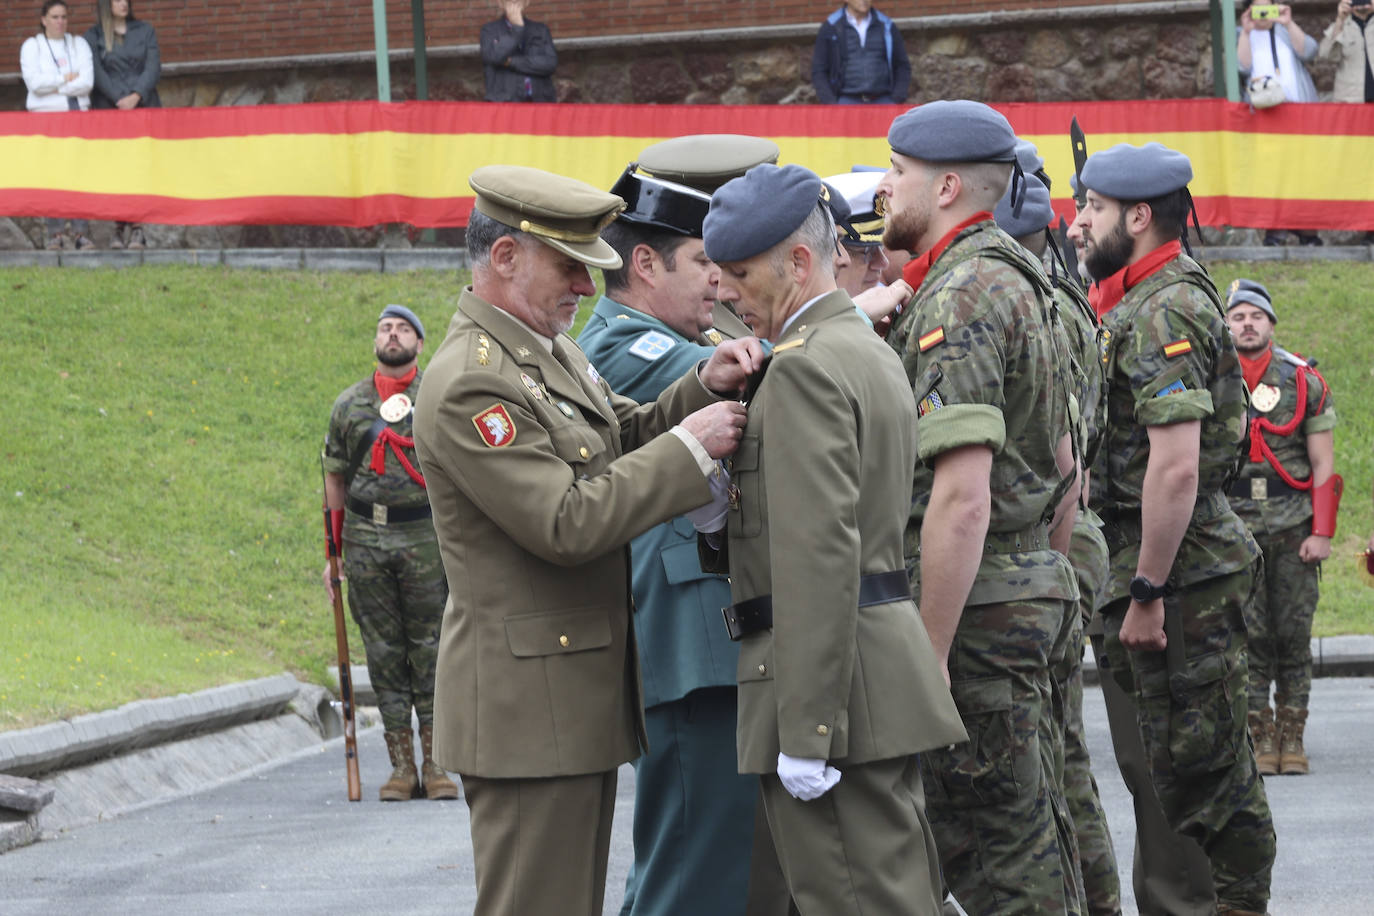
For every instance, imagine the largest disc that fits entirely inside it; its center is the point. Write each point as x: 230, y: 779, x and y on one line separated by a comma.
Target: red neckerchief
x: 1254, y: 369
x: 388, y: 387
x: 916, y: 269
x: 1105, y: 294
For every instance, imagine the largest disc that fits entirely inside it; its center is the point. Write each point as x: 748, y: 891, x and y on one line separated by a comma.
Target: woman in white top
x: 59, y: 74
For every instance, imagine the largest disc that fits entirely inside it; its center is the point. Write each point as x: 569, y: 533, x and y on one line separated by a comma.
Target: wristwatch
x: 1145, y: 591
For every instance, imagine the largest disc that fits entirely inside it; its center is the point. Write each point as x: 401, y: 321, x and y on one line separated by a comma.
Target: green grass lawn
x: 160, y: 521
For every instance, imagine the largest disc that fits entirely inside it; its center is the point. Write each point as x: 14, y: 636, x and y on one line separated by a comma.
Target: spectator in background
x: 127, y: 65
x: 859, y: 57
x: 1350, y: 43
x: 518, y: 57
x: 57, y: 72
x: 1277, y: 47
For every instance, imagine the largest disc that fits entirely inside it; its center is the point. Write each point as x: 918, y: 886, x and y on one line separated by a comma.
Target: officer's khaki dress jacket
x: 824, y: 478
x: 537, y: 674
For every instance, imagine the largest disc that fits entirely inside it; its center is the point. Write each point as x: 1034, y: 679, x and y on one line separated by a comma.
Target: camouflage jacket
x: 1281, y: 508
x: 1080, y: 326
x: 348, y: 451
x: 1169, y: 358
x: 979, y: 349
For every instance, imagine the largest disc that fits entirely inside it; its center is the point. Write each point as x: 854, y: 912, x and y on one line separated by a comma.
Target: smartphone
x: 1265, y: 11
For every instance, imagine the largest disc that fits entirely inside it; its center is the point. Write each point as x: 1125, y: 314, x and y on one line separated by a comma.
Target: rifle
x: 333, y: 538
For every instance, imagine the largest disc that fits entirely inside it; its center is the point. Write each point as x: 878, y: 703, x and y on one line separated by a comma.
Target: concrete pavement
x: 284, y: 839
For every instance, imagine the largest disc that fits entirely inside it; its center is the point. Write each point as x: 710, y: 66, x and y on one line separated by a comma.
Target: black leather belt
x: 756, y: 614
x: 387, y: 515
x: 1260, y: 487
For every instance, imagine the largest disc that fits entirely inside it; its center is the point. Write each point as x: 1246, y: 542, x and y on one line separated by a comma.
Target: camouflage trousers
x: 1096, y: 856
x: 994, y: 802
x: 397, y: 599
x: 1279, y: 621
x: 1192, y: 716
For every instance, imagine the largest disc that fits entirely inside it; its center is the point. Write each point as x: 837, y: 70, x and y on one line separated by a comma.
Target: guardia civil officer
x: 838, y: 686
x: 1086, y: 549
x: 996, y: 466
x: 396, y: 586
x: 539, y: 475
x: 1182, y: 562
x: 694, y: 815
x: 1287, y: 495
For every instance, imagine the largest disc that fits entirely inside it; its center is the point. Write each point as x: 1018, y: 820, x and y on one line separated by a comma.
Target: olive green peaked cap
x: 563, y: 213
x: 706, y: 161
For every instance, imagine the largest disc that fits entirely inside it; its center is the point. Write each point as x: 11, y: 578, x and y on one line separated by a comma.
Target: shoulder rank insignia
x: 1265, y: 397
x: 495, y: 426
x: 651, y: 345
x: 790, y: 345
x: 715, y: 336
x: 1178, y: 348
x: 522, y: 352
x: 395, y: 408
x: 533, y: 386
x: 931, y: 338
x: 930, y: 403
x: 1174, y: 387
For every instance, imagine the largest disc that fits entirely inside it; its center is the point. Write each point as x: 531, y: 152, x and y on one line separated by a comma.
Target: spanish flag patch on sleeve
x: 931, y: 338
x: 1178, y: 348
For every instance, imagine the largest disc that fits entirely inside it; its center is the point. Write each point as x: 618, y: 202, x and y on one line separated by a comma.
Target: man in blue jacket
x: 860, y: 58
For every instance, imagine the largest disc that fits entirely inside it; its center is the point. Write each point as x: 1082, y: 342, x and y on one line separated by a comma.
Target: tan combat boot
x: 436, y: 781
x: 1266, y: 742
x: 400, y: 746
x: 1292, y: 757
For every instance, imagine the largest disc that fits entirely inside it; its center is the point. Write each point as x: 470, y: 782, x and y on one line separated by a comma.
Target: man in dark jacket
x: 859, y: 57
x: 518, y: 57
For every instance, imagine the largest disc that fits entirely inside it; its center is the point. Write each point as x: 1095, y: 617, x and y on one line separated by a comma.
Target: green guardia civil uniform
x: 1169, y: 358
x: 828, y: 446
x: 396, y: 587
x: 1279, y: 620
x: 979, y: 350
x: 539, y: 476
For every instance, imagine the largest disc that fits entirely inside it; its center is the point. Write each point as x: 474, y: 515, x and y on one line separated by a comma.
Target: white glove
x: 806, y: 778
x: 711, y: 517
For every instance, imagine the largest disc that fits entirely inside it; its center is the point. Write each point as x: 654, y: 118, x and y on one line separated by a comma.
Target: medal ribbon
x: 389, y: 437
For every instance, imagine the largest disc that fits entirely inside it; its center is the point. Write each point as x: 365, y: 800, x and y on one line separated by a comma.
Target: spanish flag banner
x: 363, y: 163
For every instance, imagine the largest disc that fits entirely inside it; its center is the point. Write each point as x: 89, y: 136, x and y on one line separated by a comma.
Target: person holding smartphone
x: 1350, y: 43
x: 1270, y: 44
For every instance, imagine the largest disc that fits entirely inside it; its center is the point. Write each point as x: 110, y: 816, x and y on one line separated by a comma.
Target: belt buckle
x: 1259, y: 488
x: 378, y: 514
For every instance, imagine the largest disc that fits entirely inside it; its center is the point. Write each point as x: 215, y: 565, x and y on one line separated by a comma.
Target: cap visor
x: 593, y: 254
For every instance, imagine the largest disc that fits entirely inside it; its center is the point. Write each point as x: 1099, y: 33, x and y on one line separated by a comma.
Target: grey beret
x: 957, y: 131
x: 1036, y: 212
x: 1126, y: 172
x: 756, y: 211
x: 1028, y: 156
x: 405, y: 314
x: 1248, y: 292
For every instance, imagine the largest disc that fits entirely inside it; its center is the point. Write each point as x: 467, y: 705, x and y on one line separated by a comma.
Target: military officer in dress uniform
x: 838, y: 686
x: 694, y: 816
x: 862, y: 236
x: 396, y: 587
x: 1287, y: 495
x: 996, y: 470
x: 539, y: 475
x: 1182, y: 562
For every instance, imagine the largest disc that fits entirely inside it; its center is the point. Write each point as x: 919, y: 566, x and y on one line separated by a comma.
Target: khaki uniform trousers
x: 540, y: 846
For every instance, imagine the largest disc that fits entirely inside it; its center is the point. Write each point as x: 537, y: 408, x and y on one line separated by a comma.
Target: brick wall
x: 200, y: 30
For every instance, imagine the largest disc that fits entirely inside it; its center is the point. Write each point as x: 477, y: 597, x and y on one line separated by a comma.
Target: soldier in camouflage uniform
x: 1287, y: 495
x: 995, y: 465
x: 1182, y: 563
x: 1077, y: 326
x: 396, y: 585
